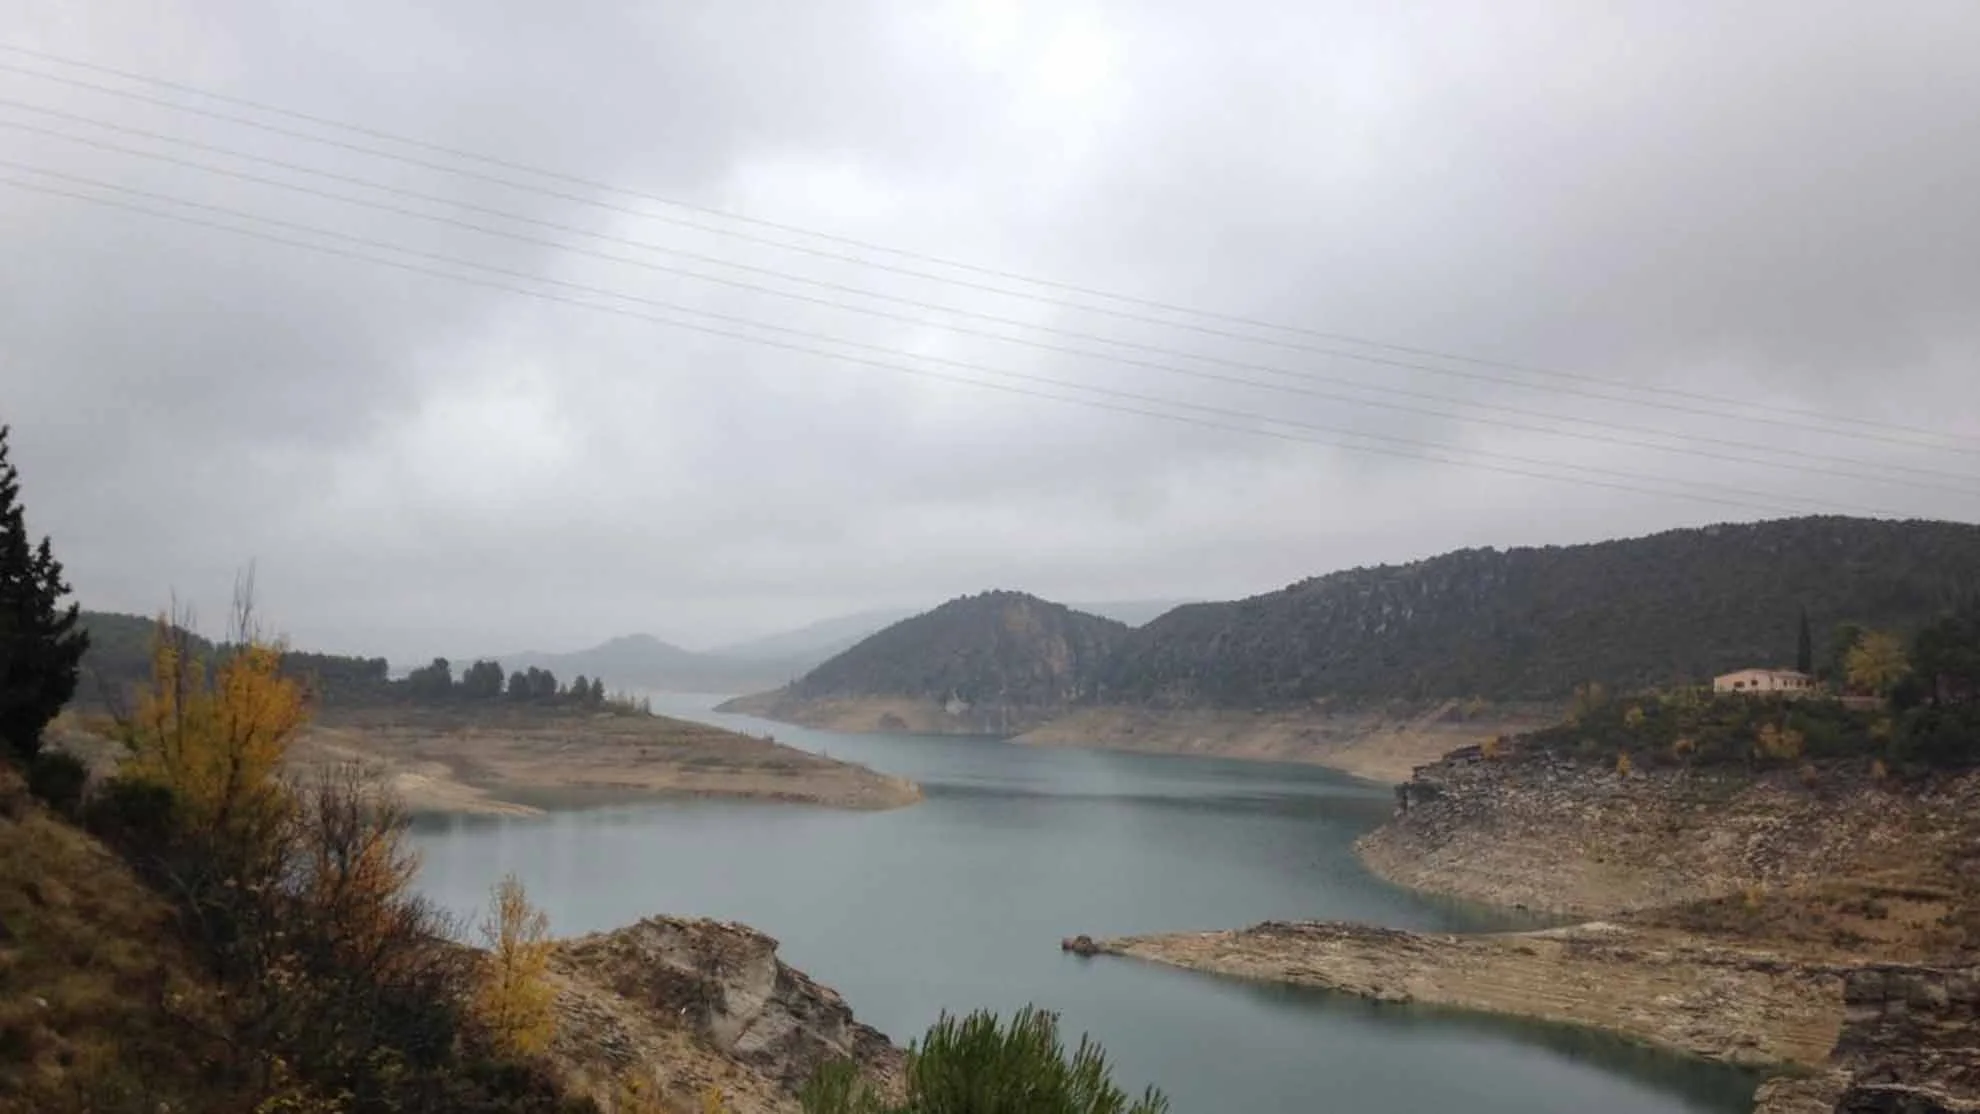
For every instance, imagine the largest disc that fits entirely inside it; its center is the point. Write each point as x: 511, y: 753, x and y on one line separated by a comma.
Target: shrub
x: 137, y: 817
x: 58, y: 778
x: 978, y: 1065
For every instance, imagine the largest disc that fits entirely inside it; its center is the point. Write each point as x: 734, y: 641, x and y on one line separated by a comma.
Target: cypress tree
x: 41, y: 643
x: 1804, y: 652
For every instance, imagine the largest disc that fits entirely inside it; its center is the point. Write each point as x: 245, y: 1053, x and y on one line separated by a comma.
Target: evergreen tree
x: 434, y: 681
x: 1804, y: 650
x: 41, y: 645
x: 483, y: 680
x: 597, y: 691
x: 519, y: 686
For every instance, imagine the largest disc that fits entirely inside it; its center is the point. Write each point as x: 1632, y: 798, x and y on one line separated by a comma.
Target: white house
x: 1764, y: 682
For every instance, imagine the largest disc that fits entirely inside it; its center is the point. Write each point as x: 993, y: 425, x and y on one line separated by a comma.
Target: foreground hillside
x: 992, y: 663
x: 1533, y: 623
x: 104, y: 1006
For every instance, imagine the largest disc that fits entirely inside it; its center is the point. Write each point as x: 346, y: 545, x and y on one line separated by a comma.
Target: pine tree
x: 1804, y: 651
x: 41, y: 644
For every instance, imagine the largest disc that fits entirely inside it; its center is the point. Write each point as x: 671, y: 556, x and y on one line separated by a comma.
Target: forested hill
x: 1533, y: 623
x: 1002, y: 648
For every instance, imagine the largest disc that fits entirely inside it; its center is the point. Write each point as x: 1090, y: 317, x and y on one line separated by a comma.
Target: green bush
x: 137, y: 817
x: 977, y: 1065
x: 58, y: 778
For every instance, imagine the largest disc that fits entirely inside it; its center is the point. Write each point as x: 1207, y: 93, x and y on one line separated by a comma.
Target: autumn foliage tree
x: 514, y: 1002
x: 1876, y: 663
x: 214, y: 734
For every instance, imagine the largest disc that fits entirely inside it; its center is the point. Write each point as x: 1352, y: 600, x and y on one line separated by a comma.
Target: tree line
x: 483, y: 679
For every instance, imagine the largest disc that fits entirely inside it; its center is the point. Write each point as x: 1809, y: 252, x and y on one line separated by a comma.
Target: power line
x: 1416, y: 451
x: 1629, y: 434
x: 1770, y: 415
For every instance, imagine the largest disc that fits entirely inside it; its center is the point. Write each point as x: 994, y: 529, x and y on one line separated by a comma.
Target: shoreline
x: 512, y: 763
x: 1665, y: 990
x: 1382, y: 745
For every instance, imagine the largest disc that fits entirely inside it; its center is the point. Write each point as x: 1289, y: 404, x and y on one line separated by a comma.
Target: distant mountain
x: 641, y: 661
x: 814, y: 642
x: 1532, y: 623
x: 1004, y: 648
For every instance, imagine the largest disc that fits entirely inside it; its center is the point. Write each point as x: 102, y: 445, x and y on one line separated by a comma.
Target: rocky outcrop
x: 1910, y: 1044
x: 1911, y: 1040
x: 697, y: 1005
x: 1519, y: 826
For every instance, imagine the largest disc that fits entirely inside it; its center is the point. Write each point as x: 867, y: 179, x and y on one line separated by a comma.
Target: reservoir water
x: 960, y: 902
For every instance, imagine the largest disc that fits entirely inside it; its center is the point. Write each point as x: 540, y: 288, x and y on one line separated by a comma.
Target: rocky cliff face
x: 1549, y: 832
x: 1910, y: 1044
x: 694, y: 1006
x: 1911, y: 1040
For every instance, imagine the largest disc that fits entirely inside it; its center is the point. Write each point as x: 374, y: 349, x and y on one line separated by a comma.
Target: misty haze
x: 988, y: 556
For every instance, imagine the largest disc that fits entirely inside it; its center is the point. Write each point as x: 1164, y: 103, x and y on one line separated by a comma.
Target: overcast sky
x: 1719, y: 221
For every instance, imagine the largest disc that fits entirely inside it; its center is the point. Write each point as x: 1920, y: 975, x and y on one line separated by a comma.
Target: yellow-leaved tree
x: 1876, y: 663
x: 515, y: 1002
x: 215, y: 734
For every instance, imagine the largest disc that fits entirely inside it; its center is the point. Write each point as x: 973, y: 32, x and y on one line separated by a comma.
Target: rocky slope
x: 1910, y: 1044
x: 1827, y: 867
x: 1532, y: 623
x: 1575, y: 836
x: 695, y: 1006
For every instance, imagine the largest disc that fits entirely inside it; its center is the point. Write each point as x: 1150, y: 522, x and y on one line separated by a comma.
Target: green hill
x: 1006, y: 649
x: 1532, y: 623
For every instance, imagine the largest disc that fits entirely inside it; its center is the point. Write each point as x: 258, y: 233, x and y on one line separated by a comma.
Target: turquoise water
x: 960, y: 902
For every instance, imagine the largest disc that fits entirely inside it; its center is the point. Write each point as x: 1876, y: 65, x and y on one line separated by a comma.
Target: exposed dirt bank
x: 693, y: 1007
x: 1379, y: 744
x: 883, y: 715
x: 1662, y: 988
x: 513, y: 760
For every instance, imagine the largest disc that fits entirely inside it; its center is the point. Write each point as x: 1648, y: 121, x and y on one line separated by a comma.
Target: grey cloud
x: 1769, y: 202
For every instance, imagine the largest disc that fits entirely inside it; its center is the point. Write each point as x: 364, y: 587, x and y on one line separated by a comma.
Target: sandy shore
x: 507, y: 760
x: 1662, y: 988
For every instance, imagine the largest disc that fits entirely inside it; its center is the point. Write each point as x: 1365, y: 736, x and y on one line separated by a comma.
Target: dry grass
x: 100, y: 1007
x: 1893, y: 919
